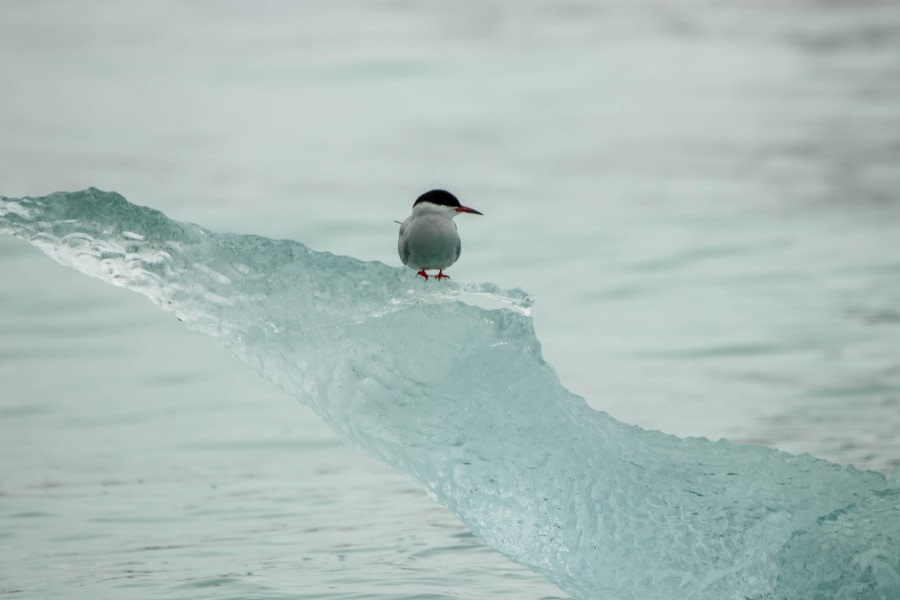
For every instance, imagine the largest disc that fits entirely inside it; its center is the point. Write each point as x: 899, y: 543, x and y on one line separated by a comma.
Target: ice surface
x: 447, y: 383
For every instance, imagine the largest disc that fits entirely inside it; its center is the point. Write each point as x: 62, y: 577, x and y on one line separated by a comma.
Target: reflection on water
x: 702, y: 198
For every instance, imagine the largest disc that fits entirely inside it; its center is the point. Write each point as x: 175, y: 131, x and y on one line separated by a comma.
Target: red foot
x: 423, y: 274
x: 441, y: 275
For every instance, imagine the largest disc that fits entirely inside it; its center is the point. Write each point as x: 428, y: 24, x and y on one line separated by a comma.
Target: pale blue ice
x: 447, y: 383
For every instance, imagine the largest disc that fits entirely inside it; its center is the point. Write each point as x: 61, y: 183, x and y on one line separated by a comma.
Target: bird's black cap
x: 441, y: 197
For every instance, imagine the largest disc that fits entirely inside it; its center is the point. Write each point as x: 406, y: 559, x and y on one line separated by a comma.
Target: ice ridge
x: 447, y: 383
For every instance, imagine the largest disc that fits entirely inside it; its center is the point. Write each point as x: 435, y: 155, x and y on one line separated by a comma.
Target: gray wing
x: 403, y: 243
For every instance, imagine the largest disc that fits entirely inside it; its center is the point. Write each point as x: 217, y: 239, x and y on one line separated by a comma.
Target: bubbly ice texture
x: 447, y: 383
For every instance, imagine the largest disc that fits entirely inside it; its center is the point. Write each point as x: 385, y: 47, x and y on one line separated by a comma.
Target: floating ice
x: 448, y: 384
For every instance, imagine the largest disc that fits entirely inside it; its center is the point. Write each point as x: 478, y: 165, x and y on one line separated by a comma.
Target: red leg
x: 441, y: 275
x: 423, y: 274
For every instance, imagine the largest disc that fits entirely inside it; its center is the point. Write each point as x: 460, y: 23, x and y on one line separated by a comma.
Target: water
x: 719, y: 184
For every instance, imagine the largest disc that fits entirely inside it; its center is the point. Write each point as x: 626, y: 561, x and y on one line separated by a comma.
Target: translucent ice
x: 448, y: 384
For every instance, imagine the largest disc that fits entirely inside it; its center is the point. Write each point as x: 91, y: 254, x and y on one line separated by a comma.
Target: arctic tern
x: 428, y: 237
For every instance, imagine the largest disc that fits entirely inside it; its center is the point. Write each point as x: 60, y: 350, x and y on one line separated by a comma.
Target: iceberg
x: 447, y: 383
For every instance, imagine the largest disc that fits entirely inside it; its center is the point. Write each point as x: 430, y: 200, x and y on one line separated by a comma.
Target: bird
x: 428, y: 237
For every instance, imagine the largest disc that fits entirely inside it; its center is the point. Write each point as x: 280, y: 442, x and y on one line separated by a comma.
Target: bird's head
x: 441, y: 201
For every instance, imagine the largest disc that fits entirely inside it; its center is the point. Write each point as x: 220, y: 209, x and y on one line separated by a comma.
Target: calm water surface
x: 702, y: 198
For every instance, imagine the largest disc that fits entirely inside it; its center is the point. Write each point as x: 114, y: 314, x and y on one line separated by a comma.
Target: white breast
x: 429, y: 240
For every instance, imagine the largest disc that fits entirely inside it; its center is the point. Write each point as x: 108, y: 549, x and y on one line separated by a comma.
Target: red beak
x: 466, y: 209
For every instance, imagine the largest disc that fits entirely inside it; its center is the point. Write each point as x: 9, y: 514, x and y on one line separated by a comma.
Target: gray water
x: 702, y: 199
